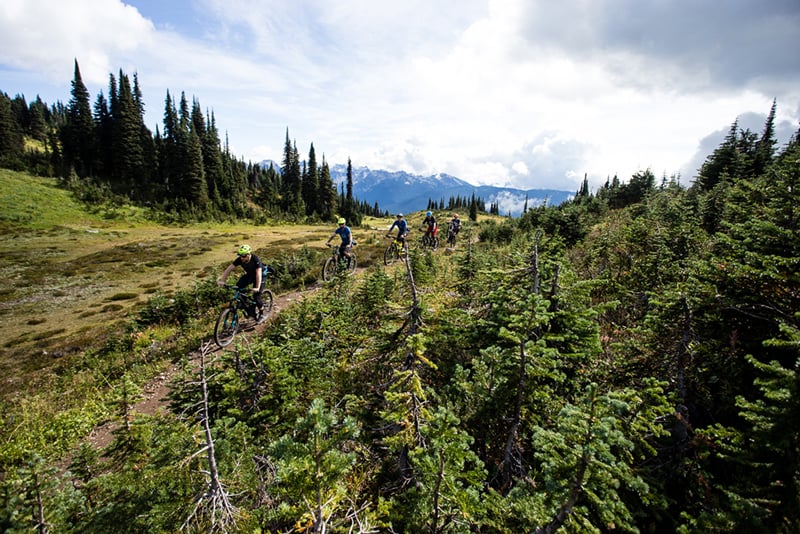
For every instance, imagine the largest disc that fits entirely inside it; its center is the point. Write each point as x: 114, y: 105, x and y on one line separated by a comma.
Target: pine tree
x: 313, y: 463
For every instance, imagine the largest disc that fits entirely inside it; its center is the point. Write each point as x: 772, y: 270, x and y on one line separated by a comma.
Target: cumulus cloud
x: 529, y: 93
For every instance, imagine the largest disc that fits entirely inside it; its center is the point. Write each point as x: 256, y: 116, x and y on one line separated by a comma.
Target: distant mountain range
x: 400, y: 191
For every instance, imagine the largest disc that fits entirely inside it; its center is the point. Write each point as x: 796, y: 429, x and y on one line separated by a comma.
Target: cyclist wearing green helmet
x: 253, y: 269
x: 344, y: 232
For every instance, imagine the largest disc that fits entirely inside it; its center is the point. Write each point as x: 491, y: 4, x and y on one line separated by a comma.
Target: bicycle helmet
x: 455, y: 215
x: 341, y: 220
x: 429, y: 214
x: 400, y: 215
x: 244, y: 250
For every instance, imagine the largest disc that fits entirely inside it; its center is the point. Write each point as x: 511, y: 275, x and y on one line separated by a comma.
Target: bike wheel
x: 352, y: 262
x: 268, y: 299
x: 390, y: 256
x: 226, y: 327
x: 329, y: 269
x: 434, y: 243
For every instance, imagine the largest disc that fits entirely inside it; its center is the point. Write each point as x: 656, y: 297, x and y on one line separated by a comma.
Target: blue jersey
x: 401, y: 225
x: 345, y: 234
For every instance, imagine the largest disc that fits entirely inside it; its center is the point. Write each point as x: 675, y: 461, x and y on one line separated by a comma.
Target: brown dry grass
x: 68, y: 277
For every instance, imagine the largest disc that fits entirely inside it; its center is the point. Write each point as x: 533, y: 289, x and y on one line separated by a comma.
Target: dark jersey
x: 250, y: 267
x: 430, y: 221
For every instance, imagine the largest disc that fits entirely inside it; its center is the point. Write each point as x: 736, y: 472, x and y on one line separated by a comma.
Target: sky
x: 520, y: 93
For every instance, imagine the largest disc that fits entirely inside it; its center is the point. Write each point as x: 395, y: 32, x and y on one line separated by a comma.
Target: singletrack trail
x: 155, y: 392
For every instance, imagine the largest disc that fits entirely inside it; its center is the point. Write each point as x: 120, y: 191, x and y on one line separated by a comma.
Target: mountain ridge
x: 401, y: 191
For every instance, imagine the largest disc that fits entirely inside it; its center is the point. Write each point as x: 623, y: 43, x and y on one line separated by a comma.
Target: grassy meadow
x: 70, y: 275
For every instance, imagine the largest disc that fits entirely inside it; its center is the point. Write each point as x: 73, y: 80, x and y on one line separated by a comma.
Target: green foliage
x: 627, y: 361
x: 313, y: 464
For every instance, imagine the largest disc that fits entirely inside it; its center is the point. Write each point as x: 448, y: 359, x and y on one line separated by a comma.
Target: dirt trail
x: 155, y: 392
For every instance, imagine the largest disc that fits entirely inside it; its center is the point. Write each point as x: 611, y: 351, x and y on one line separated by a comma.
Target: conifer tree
x: 126, y: 141
x: 473, y: 209
x: 219, y: 191
x: 291, y: 192
x: 327, y: 193
x: 11, y: 140
x: 311, y: 188
x: 313, y: 463
x: 104, y: 133
x: 38, y: 125
x: 765, y: 146
x: 194, y: 173
x: 77, y: 135
x: 169, y: 151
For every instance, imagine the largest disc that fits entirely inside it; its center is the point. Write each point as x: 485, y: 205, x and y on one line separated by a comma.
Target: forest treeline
x: 104, y: 151
x: 628, y: 361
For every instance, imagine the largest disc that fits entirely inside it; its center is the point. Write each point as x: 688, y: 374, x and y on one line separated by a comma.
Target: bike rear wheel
x: 226, y: 327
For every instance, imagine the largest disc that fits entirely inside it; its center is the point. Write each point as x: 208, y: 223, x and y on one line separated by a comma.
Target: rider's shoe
x: 261, y: 315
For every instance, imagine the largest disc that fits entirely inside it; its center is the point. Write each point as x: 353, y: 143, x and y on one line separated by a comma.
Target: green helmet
x: 245, y: 249
x: 341, y: 220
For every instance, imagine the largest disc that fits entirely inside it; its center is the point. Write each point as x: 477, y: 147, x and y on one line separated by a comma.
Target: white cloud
x: 528, y: 93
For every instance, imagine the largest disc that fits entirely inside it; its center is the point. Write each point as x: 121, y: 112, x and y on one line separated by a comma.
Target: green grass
x: 38, y: 203
x: 69, y: 275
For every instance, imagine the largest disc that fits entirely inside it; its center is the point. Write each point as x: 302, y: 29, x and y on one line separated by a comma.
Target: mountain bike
x: 396, y: 250
x: 429, y: 241
x: 451, y: 236
x: 241, y: 306
x: 338, y: 263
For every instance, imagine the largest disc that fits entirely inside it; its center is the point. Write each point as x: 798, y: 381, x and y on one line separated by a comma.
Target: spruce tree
x: 311, y: 184
x: 327, y: 193
x: 77, y: 134
x: 11, y: 140
x: 126, y: 142
x: 104, y: 134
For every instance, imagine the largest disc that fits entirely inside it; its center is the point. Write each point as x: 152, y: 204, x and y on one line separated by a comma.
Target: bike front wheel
x: 352, y: 268
x: 391, y: 255
x: 226, y: 327
x: 329, y: 269
x: 268, y: 299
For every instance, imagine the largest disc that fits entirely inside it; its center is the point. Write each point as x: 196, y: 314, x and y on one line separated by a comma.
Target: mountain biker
x: 344, y: 232
x: 432, y: 228
x: 253, y: 268
x: 454, y: 226
x: 402, y: 228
